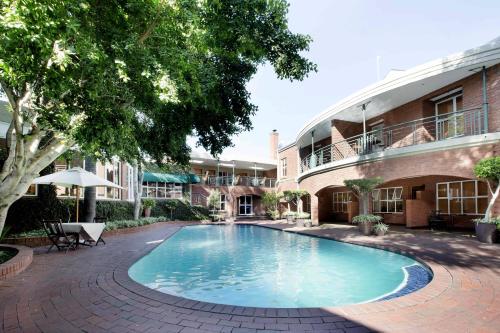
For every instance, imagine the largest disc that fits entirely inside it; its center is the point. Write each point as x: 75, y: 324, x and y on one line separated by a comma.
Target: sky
x: 348, y: 36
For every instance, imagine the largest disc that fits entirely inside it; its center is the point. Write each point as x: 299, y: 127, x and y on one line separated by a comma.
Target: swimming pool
x: 261, y: 267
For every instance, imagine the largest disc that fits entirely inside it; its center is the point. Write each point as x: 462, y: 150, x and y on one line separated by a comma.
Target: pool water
x: 261, y: 267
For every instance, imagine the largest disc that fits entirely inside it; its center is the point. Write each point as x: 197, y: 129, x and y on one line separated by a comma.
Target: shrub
x: 303, y: 216
x: 367, y: 218
x: 148, y: 203
x: 381, y: 227
x: 179, y: 210
x: 273, y: 214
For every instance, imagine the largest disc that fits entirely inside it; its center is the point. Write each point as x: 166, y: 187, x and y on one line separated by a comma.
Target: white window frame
x: 68, y: 190
x: 449, y: 197
x: 376, y: 196
x: 284, y: 167
x: 222, y: 202
x: 116, y: 168
x: 32, y: 195
x: 170, y: 190
x: 453, y: 97
x: 341, y: 198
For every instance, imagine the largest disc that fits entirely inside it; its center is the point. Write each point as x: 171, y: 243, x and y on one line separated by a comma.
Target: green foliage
x: 368, y: 218
x: 213, y: 199
x: 303, y: 216
x: 272, y: 214
x: 122, y: 224
x: 293, y: 196
x: 271, y: 199
x: 148, y: 203
x: 6, y: 254
x: 488, y: 169
x: 492, y: 220
x: 114, y: 77
x: 179, y: 210
x: 381, y: 227
x: 365, y: 185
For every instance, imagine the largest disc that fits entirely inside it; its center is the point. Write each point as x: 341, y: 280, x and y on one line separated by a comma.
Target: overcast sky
x: 347, y: 38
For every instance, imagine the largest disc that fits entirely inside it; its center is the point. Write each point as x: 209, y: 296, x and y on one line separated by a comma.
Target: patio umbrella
x: 75, y: 177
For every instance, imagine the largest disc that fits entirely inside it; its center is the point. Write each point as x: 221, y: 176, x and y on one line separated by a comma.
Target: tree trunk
x: 364, y: 201
x: 138, y: 178
x: 488, y: 213
x: 89, y: 200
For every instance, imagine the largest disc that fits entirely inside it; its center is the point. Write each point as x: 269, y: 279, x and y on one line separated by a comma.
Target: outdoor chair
x: 437, y: 220
x: 100, y: 219
x: 60, y: 239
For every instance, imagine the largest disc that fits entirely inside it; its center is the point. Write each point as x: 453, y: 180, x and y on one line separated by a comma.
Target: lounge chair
x: 60, y: 239
x: 100, y: 219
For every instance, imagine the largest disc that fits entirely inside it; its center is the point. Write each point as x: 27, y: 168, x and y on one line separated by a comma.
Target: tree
x: 362, y: 188
x: 133, y: 79
x: 213, y: 200
x: 294, y: 196
x: 89, y: 198
x: 488, y: 169
x: 271, y: 200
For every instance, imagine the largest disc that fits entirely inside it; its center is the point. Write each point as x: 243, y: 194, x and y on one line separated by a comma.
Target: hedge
x: 27, y: 213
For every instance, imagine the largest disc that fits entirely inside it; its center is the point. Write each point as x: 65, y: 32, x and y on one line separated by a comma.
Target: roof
x: 171, y: 178
x: 204, y: 158
x: 401, y: 87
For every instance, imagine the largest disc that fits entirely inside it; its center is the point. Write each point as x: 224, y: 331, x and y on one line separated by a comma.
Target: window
x: 469, y: 197
x: 222, y: 203
x: 112, y: 172
x: 450, y: 123
x: 161, y: 190
x: 32, y: 191
x: 388, y: 200
x: 68, y: 192
x: 283, y: 167
x: 340, y: 200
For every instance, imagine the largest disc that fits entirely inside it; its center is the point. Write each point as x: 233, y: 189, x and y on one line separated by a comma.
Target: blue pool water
x: 261, y: 267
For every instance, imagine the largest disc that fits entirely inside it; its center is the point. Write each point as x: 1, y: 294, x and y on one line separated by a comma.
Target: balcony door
x: 450, y: 121
x: 245, y: 205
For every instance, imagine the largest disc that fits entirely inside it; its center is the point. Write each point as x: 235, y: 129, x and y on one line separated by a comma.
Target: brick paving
x: 89, y: 291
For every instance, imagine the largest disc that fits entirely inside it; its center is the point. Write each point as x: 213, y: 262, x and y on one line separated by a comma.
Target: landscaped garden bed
x: 37, y: 237
x: 6, y: 253
x: 14, y: 259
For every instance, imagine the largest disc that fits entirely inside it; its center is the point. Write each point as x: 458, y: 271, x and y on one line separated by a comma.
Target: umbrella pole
x: 77, y: 201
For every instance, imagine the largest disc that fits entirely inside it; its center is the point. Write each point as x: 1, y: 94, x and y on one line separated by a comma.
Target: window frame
x: 346, y: 197
x: 449, y: 197
x: 284, y: 167
x: 222, y: 202
x: 395, y: 199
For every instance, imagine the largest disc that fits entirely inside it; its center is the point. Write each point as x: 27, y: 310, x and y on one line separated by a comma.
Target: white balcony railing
x: 241, y: 181
x: 424, y: 130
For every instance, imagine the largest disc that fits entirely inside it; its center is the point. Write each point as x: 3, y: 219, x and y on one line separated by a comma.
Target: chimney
x: 273, y: 144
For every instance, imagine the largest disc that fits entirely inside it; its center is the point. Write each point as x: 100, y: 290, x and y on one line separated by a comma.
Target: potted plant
x: 365, y: 222
x: 290, y: 217
x: 148, y: 204
x: 302, y: 219
x: 486, y: 229
x: 488, y: 169
x: 380, y: 228
x: 214, y: 205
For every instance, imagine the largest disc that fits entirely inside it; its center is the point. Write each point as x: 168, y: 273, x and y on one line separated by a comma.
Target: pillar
x: 314, y: 209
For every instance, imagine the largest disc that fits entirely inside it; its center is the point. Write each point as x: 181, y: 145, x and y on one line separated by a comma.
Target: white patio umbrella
x: 75, y: 177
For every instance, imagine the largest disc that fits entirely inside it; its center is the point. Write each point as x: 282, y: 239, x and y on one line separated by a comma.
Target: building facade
x: 422, y: 130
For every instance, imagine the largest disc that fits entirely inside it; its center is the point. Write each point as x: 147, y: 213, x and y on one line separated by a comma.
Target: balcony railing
x: 430, y: 129
x: 241, y: 181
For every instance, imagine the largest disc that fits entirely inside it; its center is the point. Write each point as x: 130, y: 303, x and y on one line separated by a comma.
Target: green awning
x: 171, y: 178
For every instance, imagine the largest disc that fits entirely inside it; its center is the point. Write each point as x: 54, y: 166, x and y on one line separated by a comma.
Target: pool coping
x: 441, y: 281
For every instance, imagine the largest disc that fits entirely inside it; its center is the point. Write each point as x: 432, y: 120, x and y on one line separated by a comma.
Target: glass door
x: 245, y: 205
x: 449, y: 119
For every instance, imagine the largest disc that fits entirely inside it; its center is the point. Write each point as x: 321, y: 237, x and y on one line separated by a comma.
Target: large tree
x: 133, y: 78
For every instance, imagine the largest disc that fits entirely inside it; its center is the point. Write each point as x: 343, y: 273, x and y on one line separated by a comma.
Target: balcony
x: 457, y: 124
x: 241, y: 181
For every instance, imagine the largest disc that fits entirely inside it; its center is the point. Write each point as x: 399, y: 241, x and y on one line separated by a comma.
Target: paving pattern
x: 89, y: 291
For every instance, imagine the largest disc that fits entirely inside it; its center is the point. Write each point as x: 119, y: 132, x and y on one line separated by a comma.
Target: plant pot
x: 289, y: 219
x: 147, y: 211
x: 365, y: 228
x: 300, y: 223
x: 486, y: 232
x: 308, y: 224
x: 380, y: 232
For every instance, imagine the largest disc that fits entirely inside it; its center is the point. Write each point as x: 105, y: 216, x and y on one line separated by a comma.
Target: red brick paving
x: 89, y: 290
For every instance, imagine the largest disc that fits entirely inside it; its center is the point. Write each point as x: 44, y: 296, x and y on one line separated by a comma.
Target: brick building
x: 422, y: 130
